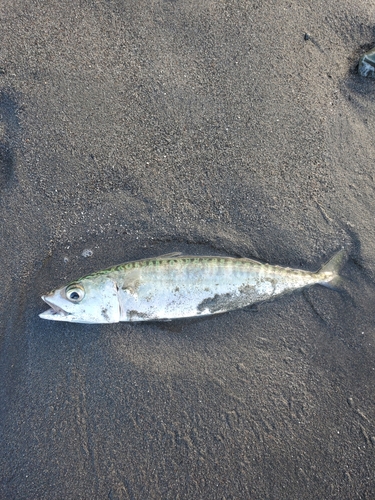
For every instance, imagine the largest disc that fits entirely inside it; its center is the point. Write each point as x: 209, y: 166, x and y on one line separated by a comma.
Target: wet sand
x: 136, y: 128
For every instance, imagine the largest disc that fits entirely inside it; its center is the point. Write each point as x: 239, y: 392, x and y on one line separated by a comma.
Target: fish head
x: 89, y: 300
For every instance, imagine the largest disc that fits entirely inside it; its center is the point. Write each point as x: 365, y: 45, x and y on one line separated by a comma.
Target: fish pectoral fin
x: 169, y: 255
x: 130, y: 290
x: 132, y: 282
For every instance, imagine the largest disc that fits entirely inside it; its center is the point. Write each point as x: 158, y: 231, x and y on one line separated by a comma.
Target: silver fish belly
x: 177, y: 286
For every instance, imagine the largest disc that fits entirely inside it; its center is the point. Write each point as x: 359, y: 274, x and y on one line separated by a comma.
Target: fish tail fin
x: 330, y: 272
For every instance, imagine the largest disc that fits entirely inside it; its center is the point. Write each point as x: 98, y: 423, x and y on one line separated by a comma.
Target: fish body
x: 177, y: 286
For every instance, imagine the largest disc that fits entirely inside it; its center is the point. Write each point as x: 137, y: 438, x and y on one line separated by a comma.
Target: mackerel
x: 179, y: 286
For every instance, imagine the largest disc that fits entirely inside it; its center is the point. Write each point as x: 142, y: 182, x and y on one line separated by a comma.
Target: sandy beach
x: 130, y: 129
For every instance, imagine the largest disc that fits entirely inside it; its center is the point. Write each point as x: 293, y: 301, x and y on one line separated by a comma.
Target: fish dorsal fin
x: 169, y: 255
x: 187, y: 256
x: 253, y: 261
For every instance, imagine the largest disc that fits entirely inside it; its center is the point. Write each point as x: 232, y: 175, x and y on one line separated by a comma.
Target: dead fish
x: 178, y: 286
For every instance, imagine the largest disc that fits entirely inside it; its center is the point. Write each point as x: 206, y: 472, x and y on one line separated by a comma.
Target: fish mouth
x: 55, y: 313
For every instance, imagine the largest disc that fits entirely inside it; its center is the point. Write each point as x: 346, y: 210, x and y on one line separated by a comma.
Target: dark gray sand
x: 135, y: 128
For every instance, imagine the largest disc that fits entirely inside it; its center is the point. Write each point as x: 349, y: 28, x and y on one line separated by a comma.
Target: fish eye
x: 75, y: 293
